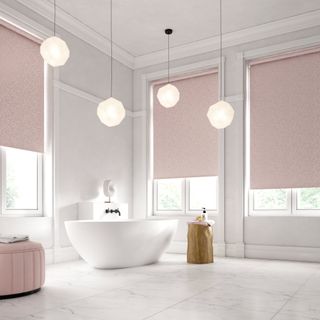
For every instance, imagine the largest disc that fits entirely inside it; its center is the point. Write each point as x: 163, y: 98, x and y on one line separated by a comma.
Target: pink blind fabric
x: 185, y: 144
x: 285, y: 122
x: 21, y: 92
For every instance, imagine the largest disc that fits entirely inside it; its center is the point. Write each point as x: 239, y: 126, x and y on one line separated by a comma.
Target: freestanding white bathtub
x: 121, y: 243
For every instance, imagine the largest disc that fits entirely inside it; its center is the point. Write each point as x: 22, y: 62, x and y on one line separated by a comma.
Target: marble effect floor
x: 170, y: 290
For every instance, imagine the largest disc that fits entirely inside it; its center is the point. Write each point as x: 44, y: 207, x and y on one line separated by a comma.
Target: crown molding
x: 18, y: 19
x: 80, y: 30
x: 271, y: 29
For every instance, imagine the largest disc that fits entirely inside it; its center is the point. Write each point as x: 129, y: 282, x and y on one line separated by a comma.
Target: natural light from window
x: 21, y: 179
x: 169, y: 194
x: 308, y: 199
x: 273, y: 199
x: 186, y: 195
x: 203, y: 193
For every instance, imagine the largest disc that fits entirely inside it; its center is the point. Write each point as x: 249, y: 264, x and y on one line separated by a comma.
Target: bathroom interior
x: 159, y: 159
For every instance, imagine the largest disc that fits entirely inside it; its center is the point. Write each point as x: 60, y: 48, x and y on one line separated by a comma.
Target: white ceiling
x: 139, y: 24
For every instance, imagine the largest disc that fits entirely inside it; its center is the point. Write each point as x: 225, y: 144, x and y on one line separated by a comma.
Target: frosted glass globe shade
x: 168, y: 95
x: 54, y: 51
x: 220, y: 114
x: 111, y: 112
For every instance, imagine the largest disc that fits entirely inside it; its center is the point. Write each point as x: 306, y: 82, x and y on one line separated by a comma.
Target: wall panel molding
x: 90, y: 97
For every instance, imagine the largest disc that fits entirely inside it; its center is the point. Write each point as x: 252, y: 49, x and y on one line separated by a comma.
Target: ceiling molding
x: 80, y: 30
x: 18, y: 19
x: 271, y: 29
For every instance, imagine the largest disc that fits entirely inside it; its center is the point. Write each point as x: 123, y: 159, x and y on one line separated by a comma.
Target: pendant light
x: 111, y: 111
x: 168, y: 95
x: 221, y: 113
x: 54, y: 50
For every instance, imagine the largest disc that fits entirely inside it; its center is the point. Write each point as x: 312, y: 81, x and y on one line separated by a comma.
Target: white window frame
x: 21, y: 212
x: 292, y: 208
x: 185, y: 198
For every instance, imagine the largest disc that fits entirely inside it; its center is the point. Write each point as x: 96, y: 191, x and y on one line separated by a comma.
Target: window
x: 282, y: 157
x: 22, y: 144
x: 186, y: 195
x: 303, y: 201
x: 21, y: 182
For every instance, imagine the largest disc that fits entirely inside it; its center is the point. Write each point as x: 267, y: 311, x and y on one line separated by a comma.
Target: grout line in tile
x: 174, y: 304
x: 291, y: 296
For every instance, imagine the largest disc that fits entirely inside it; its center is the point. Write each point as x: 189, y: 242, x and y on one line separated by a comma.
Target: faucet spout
x: 116, y: 211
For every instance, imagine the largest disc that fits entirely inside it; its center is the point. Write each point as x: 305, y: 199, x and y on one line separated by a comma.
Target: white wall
x: 85, y: 151
x: 276, y: 237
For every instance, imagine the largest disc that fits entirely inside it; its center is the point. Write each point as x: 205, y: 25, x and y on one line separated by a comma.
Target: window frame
x: 185, y: 196
x: 292, y: 207
x: 21, y: 212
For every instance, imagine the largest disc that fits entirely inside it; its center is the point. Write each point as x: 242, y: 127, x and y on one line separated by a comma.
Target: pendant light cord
x: 168, y: 58
x: 220, y: 53
x: 54, y: 17
x: 111, y: 49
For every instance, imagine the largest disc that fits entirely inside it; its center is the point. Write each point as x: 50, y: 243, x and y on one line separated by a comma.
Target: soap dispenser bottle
x: 204, y: 214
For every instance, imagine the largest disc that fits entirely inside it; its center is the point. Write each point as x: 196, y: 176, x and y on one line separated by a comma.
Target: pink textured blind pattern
x: 285, y: 123
x: 185, y: 144
x: 21, y: 92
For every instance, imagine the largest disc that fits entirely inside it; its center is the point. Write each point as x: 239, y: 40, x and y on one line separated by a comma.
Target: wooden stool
x: 200, y: 243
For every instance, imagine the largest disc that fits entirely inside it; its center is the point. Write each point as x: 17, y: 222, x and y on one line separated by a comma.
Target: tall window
x: 22, y: 122
x: 284, y: 99
x: 186, y: 149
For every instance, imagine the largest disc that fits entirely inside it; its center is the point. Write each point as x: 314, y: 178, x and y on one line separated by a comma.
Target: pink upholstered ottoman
x: 22, y: 268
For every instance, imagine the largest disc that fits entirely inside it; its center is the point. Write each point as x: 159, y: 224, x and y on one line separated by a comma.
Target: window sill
x: 15, y: 216
x: 301, y: 215
x: 181, y: 215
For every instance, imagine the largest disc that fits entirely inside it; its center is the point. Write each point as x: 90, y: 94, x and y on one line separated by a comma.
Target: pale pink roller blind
x: 285, y: 122
x: 21, y: 91
x: 185, y: 144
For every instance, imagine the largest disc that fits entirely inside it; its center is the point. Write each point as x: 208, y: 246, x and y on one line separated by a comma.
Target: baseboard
x: 235, y: 250
x: 57, y: 255
x: 181, y: 248
x: 305, y: 254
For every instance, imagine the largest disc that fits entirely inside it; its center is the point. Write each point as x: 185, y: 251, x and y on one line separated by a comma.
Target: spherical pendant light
x: 54, y: 51
x: 168, y: 95
x: 111, y: 112
x: 220, y: 114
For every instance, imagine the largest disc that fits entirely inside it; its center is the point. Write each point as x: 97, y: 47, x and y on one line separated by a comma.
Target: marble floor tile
x: 172, y: 289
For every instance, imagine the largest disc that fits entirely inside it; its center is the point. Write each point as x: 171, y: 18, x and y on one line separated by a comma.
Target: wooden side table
x: 200, y: 243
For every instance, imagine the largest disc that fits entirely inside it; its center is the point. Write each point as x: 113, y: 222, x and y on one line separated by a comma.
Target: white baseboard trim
x: 58, y: 255
x: 181, y: 248
x: 235, y: 250
x: 305, y: 254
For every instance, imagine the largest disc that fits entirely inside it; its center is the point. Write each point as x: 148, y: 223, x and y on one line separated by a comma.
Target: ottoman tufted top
x: 22, y: 246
